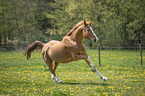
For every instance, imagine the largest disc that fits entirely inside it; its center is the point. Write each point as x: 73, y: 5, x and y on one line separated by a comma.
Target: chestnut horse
x: 67, y: 50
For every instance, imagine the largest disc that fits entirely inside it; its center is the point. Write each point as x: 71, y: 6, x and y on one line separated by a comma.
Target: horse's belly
x: 60, y: 54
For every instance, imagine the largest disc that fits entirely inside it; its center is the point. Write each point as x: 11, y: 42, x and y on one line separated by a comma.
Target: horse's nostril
x: 94, y: 40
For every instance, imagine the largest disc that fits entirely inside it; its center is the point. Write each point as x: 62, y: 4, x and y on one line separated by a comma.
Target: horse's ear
x: 85, y: 23
x: 90, y: 23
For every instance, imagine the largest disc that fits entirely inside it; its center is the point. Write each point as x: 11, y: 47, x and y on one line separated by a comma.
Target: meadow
x: 19, y: 76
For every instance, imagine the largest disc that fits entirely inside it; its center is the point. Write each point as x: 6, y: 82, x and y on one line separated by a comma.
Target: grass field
x: 31, y: 77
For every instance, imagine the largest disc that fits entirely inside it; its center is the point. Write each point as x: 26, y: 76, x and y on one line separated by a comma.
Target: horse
x: 69, y: 49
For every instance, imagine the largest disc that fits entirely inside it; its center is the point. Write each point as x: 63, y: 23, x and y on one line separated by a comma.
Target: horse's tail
x: 35, y: 45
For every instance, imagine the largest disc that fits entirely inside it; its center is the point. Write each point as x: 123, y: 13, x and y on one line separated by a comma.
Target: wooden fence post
x: 99, y: 55
x: 140, y: 53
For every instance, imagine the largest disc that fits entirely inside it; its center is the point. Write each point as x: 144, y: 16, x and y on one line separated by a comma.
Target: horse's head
x: 88, y: 32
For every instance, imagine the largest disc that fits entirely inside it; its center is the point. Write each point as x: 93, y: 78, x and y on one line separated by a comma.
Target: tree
x: 117, y: 22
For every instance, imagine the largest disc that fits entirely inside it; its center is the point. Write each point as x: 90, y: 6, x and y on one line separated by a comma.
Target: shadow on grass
x: 76, y: 83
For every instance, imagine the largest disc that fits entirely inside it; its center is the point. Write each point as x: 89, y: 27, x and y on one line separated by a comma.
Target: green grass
x: 31, y: 77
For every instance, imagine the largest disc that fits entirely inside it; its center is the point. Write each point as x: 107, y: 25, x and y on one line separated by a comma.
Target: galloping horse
x: 67, y: 50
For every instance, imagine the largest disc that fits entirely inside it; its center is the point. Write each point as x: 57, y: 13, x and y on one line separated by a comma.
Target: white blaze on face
x: 94, y: 33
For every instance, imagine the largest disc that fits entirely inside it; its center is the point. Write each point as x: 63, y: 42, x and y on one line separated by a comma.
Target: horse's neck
x: 77, y: 35
x: 74, y: 28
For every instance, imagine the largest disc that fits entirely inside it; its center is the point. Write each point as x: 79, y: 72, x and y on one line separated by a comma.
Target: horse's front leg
x: 92, y: 65
x: 94, y: 69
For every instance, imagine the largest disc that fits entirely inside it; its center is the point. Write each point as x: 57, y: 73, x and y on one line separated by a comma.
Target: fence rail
x: 136, y: 47
x: 104, y: 44
x: 21, y: 48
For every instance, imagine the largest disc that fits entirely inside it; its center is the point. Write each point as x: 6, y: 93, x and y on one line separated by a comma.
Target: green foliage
x: 22, y: 19
x: 31, y: 77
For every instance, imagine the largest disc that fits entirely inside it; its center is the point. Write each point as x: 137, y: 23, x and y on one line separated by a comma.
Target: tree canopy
x: 24, y: 21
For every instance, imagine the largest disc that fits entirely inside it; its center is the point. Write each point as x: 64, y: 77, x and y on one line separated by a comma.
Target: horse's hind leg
x: 48, y: 61
x: 55, y: 64
x: 54, y: 76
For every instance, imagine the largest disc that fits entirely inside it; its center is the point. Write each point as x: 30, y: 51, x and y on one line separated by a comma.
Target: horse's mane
x: 74, y: 28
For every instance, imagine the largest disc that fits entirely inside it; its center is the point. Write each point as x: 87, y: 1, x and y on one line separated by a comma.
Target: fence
x: 110, y: 44
x: 140, y: 48
x: 120, y: 44
x: 101, y: 45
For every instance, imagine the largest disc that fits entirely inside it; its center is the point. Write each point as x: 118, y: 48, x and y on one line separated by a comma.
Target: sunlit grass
x: 31, y: 77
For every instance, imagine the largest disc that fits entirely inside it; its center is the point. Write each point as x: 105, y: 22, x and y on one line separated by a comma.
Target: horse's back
x: 49, y: 44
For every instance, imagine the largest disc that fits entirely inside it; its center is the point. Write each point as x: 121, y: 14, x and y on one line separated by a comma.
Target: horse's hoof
x: 105, y: 79
x: 53, y: 79
x: 60, y: 81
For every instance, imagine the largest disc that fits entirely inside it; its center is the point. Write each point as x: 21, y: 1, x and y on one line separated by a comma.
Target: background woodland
x: 116, y: 21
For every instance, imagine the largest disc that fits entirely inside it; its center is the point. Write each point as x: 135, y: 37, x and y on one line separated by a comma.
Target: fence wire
x: 110, y: 44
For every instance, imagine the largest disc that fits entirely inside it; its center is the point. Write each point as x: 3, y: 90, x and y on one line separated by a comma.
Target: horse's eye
x: 87, y: 29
